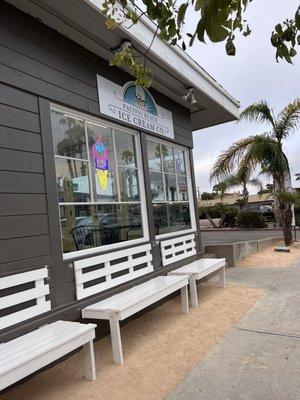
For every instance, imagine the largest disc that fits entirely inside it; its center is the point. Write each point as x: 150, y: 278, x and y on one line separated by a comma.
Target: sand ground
x: 270, y: 258
x: 160, y: 349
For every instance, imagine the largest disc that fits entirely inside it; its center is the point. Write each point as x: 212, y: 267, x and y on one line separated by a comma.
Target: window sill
x: 75, y: 255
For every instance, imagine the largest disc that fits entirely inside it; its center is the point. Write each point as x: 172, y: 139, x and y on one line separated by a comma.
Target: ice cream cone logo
x: 100, y: 157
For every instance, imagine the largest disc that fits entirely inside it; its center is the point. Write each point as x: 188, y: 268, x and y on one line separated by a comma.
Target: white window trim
x: 188, y: 175
x: 144, y: 215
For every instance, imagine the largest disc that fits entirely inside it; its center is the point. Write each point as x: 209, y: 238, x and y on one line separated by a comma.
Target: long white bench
x: 28, y: 353
x: 122, y: 305
x: 198, y: 270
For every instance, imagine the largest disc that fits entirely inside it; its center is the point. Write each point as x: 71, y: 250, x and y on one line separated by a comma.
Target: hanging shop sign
x: 134, y: 105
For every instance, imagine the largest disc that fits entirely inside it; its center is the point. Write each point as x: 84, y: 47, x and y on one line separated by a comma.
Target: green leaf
x: 181, y: 13
x: 230, y: 48
x: 200, y: 30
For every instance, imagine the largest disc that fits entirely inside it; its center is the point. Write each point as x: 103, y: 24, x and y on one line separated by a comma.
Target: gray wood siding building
x: 38, y: 67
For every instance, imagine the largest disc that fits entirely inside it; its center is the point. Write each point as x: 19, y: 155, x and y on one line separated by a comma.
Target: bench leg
x: 116, y: 342
x: 184, y: 300
x: 222, y: 277
x: 89, y: 361
x: 193, y: 292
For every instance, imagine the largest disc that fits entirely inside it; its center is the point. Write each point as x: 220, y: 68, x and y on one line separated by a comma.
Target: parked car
x: 265, y: 210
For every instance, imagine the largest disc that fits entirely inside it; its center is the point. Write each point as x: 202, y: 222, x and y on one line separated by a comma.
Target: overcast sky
x: 250, y: 76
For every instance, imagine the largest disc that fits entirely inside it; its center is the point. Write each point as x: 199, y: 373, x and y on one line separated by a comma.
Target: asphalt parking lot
x: 217, y: 237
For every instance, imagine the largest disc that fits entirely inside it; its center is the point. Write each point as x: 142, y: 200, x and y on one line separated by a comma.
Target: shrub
x: 213, y: 212
x: 250, y: 219
x: 229, y: 218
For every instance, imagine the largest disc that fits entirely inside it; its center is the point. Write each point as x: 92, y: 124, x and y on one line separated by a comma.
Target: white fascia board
x: 174, y: 58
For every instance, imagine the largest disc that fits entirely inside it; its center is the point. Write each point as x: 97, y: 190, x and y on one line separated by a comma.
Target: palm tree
x: 263, y: 150
x: 240, y: 179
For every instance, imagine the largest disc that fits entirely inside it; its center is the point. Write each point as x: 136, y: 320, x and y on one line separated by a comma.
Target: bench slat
x: 25, y: 277
x: 21, y: 297
x: 201, y: 267
x: 55, y: 339
x: 111, y: 269
x: 170, y: 248
x: 22, y: 315
x: 137, y: 294
x: 19, y: 341
x: 31, y: 343
x: 89, y: 291
x: 90, y: 261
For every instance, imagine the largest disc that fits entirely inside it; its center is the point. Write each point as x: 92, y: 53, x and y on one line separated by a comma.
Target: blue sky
x: 250, y: 76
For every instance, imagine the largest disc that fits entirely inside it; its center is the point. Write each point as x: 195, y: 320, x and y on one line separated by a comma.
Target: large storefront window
x: 169, y: 187
x: 98, y: 182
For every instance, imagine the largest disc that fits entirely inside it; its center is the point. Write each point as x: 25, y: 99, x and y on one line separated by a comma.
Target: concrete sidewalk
x: 259, y: 358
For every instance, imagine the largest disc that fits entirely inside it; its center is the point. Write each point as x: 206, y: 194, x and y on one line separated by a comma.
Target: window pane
x: 157, y: 186
x: 182, y: 188
x: 88, y: 226
x: 161, y: 219
x: 129, y: 184
x: 102, y: 162
x: 179, y: 162
x: 154, y: 156
x: 125, y: 148
x: 168, y: 157
x: 171, y: 218
x: 72, y: 180
x: 179, y: 216
x: 171, y: 189
x: 68, y: 135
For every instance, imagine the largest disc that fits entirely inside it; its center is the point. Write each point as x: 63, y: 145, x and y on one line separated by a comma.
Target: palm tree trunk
x: 276, y: 204
x: 286, y: 220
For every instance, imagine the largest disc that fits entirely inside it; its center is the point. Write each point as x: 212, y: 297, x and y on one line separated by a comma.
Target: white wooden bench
x: 177, y: 248
x: 122, y: 305
x: 25, y: 297
x: 98, y: 273
x: 198, y: 270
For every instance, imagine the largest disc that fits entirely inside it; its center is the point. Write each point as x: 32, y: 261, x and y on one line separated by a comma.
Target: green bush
x: 214, y: 212
x: 229, y: 219
x: 250, y: 219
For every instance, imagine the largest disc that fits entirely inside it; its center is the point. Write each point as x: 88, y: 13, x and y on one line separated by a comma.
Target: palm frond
x: 259, y: 112
x: 257, y: 183
x: 229, y: 159
x: 288, y: 119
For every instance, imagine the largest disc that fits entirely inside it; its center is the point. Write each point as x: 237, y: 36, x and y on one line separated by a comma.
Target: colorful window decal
x: 100, y: 157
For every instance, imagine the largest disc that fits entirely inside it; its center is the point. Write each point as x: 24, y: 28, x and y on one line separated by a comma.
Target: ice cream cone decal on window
x: 100, y: 157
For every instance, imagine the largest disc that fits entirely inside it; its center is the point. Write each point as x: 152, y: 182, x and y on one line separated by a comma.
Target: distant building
x: 231, y: 198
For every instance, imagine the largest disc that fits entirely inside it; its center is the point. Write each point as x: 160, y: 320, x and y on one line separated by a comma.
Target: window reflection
x: 154, y: 156
x: 68, y: 135
x: 96, y: 171
x: 171, y: 217
x: 72, y: 180
x: 169, y: 187
x: 168, y: 157
x: 129, y: 184
x: 179, y: 162
x: 125, y: 148
x: 88, y: 226
x: 157, y: 186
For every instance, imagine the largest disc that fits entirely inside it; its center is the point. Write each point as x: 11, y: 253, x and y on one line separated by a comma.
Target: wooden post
x: 89, y: 361
x: 115, y: 335
x: 222, y: 277
x: 193, y: 292
x: 184, y: 300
